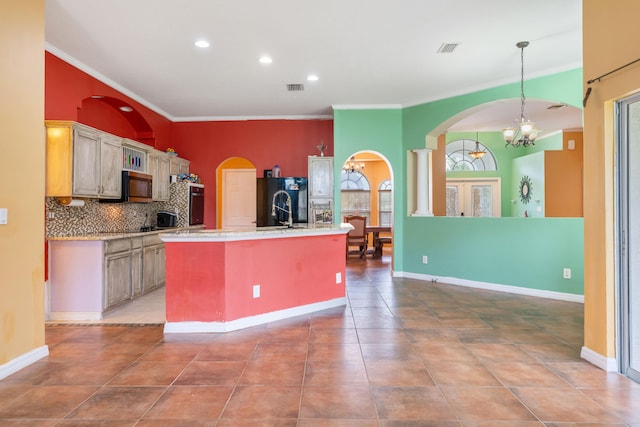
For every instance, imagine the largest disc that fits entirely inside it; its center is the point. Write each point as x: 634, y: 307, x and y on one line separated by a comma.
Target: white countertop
x: 125, y: 234
x: 258, y: 233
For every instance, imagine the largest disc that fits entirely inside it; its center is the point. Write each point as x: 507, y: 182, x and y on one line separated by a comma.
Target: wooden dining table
x: 375, y: 230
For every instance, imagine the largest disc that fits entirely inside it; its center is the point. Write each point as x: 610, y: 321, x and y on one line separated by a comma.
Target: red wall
x: 213, y: 282
x: 264, y: 143
x: 68, y: 92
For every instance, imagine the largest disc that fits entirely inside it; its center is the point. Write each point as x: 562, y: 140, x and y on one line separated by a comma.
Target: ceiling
x: 365, y: 53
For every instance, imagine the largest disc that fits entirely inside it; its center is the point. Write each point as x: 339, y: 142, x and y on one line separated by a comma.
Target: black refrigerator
x: 266, y: 203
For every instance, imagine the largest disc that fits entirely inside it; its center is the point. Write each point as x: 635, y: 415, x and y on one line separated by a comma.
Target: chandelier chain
x: 522, y: 97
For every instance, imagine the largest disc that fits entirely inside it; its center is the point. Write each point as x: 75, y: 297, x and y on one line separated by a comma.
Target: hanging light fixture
x: 352, y: 165
x: 526, y: 132
x: 476, y: 154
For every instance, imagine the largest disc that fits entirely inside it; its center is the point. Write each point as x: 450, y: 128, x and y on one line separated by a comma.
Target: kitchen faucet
x: 289, y: 223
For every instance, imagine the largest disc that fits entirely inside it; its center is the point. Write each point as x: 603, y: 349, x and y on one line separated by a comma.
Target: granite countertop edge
x: 257, y: 233
x: 125, y: 234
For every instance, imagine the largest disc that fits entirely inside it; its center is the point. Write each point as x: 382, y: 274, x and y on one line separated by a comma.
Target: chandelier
x: 476, y: 154
x: 525, y: 133
x: 352, y: 165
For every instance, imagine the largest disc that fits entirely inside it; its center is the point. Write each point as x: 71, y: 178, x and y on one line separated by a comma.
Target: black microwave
x: 136, y: 188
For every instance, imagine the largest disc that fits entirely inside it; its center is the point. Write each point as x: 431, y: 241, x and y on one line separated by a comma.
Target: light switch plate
x: 4, y: 214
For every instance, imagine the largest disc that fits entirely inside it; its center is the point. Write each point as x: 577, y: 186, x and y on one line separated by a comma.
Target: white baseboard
x: 246, y: 322
x: 14, y: 365
x: 608, y: 364
x: 75, y: 315
x: 493, y: 286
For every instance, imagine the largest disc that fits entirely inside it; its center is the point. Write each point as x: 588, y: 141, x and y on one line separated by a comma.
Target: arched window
x: 459, y: 159
x: 385, y: 201
x: 355, y: 194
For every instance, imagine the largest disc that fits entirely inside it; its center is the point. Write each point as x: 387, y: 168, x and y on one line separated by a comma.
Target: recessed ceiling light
x: 312, y: 77
x: 97, y: 96
x: 126, y: 109
x: 202, y: 43
x: 265, y: 60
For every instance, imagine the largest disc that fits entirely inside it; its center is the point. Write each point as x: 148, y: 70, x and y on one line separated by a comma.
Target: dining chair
x: 358, y: 236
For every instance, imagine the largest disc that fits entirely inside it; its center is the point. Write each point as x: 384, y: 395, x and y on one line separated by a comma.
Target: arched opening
x: 554, y: 163
x: 366, y: 189
x: 116, y: 116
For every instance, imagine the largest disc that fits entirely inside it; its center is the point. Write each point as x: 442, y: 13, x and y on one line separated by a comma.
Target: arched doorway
x: 236, y: 193
x: 366, y: 189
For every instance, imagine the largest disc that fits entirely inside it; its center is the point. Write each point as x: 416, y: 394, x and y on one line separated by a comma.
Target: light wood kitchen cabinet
x: 82, y: 161
x: 137, y: 267
x: 90, y: 277
x: 110, y: 166
x: 320, y: 171
x: 154, y: 259
x: 158, y: 163
x: 320, y: 189
x: 117, y: 272
x: 178, y: 166
x: 117, y: 279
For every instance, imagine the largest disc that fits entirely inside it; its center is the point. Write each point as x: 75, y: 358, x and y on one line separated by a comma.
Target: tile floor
x: 402, y: 353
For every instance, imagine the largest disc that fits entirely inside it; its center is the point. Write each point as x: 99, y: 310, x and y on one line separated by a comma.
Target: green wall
x: 523, y: 252
x: 526, y: 252
x: 379, y: 131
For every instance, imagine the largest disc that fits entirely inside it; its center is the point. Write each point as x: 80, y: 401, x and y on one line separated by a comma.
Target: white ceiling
x: 373, y: 52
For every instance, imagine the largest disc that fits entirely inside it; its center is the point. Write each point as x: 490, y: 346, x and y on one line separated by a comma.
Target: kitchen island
x: 223, y: 280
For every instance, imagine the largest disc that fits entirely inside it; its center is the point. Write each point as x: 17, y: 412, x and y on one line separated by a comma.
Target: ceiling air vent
x: 448, y: 47
x: 295, y: 87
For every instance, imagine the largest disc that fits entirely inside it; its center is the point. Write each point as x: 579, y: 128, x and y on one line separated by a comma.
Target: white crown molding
x: 367, y: 107
x: 249, y: 118
x: 104, y: 79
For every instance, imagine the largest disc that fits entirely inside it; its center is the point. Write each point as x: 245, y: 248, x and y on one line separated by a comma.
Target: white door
x: 473, y: 197
x: 628, y: 235
x: 238, y: 198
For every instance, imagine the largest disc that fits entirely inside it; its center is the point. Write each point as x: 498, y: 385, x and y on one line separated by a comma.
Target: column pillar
x: 423, y: 184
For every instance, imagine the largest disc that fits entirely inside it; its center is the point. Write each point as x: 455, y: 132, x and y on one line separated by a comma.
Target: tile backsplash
x: 95, y: 217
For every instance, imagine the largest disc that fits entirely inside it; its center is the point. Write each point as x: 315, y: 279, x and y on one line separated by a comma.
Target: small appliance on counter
x: 167, y: 219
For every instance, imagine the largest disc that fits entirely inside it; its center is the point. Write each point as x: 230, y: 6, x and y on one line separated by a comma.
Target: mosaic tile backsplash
x: 95, y: 217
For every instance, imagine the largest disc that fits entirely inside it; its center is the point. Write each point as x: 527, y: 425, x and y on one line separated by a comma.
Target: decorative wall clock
x: 526, y: 189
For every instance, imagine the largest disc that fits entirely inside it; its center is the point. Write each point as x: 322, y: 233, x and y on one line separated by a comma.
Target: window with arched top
x: 355, y: 194
x: 385, y: 203
x: 459, y: 156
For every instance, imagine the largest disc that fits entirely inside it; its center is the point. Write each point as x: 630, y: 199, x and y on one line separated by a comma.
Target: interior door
x: 628, y: 236
x: 473, y: 197
x: 238, y: 198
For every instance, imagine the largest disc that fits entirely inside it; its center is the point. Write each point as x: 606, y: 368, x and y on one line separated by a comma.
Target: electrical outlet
x: 425, y: 259
x: 566, y: 273
x: 4, y: 215
x: 256, y: 291
x: 338, y: 278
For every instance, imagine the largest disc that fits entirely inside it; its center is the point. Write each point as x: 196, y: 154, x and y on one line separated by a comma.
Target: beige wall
x: 610, y: 40
x: 22, y: 178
